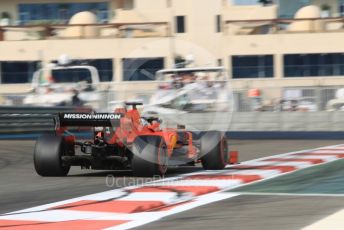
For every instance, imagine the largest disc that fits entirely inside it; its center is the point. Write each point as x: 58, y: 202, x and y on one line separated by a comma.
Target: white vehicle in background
x: 64, y: 85
x: 294, y: 100
x: 297, y: 104
x: 336, y: 104
x: 200, y: 89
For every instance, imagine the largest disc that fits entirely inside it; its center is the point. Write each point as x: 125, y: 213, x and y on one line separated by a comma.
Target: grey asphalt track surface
x: 21, y: 187
x: 250, y: 212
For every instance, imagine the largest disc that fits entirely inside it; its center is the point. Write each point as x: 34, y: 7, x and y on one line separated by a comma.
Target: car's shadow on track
x: 128, y: 173
x: 122, y: 173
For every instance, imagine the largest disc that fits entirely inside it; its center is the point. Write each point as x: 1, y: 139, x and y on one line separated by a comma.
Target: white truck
x: 64, y: 85
x: 197, y: 89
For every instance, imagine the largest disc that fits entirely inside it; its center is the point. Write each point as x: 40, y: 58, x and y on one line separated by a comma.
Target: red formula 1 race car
x: 125, y: 140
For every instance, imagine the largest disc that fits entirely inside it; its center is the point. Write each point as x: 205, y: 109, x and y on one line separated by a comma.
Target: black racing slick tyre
x: 214, y: 150
x: 149, y: 156
x: 47, y: 156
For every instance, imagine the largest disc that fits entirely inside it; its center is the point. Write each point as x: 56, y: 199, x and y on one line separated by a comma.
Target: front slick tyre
x: 214, y: 151
x: 47, y: 156
x: 149, y: 156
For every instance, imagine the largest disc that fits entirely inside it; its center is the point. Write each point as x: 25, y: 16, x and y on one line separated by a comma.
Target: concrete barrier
x: 293, y: 124
x: 262, y: 121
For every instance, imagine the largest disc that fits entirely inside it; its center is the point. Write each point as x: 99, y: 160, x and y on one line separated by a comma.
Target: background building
x: 129, y: 40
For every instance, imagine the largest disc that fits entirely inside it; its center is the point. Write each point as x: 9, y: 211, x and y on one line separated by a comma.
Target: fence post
x: 2, y: 34
x: 82, y: 34
x: 47, y: 32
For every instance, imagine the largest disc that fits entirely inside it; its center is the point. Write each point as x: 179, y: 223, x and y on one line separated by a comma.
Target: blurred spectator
x: 75, y: 99
x: 177, y: 82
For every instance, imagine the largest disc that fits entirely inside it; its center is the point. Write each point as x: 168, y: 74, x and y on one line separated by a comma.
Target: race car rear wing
x: 88, y: 119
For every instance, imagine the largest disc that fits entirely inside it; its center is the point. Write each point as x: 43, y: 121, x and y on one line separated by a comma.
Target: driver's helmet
x: 144, y: 122
x: 149, y: 118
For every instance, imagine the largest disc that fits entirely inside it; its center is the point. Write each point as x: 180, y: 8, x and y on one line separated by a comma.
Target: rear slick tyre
x: 149, y: 156
x: 47, y: 156
x: 214, y: 151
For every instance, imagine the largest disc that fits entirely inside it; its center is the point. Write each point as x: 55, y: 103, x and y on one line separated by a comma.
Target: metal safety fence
x: 253, y: 109
x: 290, y: 99
x: 279, y: 99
